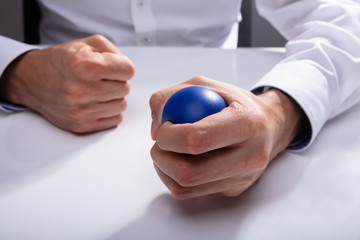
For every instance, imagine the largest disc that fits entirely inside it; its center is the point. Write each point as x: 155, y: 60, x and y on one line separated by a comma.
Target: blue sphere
x: 192, y: 104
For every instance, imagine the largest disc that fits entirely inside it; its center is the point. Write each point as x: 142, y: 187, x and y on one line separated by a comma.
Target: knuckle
x: 76, y: 94
x: 233, y: 193
x: 126, y: 88
x: 198, y: 80
x: 186, y: 174
x: 85, y: 66
x: 78, y: 127
x: 116, y: 120
x: 97, y: 38
x: 179, y: 192
x: 239, y: 186
x: 129, y: 69
x: 156, y: 99
x: 88, y: 69
x: 154, y: 152
x: 74, y: 60
x: 123, y: 105
x: 117, y: 110
x: 76, y: 116
x: 73, y: 63
x: 259, y: 160
x: 195, y: 141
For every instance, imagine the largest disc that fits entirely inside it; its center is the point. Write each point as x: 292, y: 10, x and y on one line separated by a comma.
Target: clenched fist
x: 224, y: 153
x: 79, y: 86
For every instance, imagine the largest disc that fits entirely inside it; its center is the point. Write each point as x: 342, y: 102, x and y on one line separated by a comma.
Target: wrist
x: 288, y: 117
x: 13, y: 81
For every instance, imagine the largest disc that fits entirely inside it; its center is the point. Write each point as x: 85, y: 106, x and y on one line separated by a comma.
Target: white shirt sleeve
x: 321, y: 68
x: 9, y: 51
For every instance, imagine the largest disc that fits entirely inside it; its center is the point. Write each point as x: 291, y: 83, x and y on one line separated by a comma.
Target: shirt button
x: 146, y: 39
x: 140, y: 3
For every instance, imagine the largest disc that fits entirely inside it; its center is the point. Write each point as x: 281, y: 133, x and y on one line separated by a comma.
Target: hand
x: 79, y: 86
x: 227, y: 152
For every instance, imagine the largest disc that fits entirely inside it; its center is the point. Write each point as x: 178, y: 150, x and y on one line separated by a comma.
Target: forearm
x: 322, y: 54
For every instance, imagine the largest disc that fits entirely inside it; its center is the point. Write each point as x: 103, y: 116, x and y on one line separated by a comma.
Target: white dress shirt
x: 320, y: 71
x: 141, y: 22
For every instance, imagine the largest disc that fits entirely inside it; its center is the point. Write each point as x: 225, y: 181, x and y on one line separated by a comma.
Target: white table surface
x: 57, y: 185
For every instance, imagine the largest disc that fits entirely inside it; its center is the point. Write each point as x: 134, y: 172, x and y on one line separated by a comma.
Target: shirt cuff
x: 305, y: 84
x: 10, y: 50
x: 10, y: 107
x: 302, y: 139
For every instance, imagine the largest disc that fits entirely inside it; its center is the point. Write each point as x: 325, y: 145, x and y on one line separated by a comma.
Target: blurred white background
x: 263, y: 35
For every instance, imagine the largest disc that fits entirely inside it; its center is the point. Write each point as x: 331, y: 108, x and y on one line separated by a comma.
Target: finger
x: 235, y: 191
x: 109, y: 117
x: 102, y: 110
x: 233, y: 125
x: 84, y: 116
x: 190, y: 170
x: 227, y: 187
x: 101, y: 44
x: 106, y: 123
x: 117, y: 67
x: 108, y: 90
x: 111, y: 108
x: 93, y: 125
x: 90, y: 66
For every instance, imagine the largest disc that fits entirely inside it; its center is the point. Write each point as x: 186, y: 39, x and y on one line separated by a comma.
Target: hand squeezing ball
x: 192, y: 104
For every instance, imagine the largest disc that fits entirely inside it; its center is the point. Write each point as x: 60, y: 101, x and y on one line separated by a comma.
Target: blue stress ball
x: 192, y: 104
